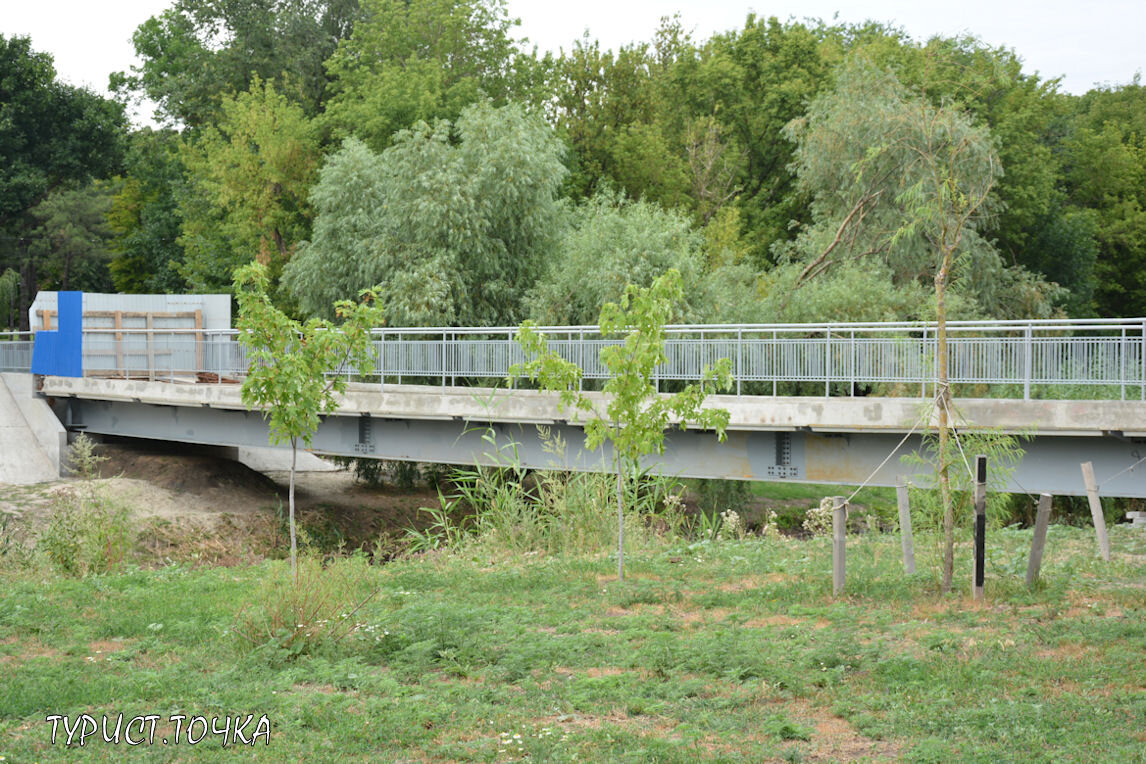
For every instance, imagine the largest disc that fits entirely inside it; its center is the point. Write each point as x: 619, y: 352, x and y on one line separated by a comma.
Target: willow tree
x: 453, y: 220
x: 902, y: 182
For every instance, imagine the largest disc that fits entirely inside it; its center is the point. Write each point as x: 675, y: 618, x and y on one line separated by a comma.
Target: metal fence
x: 15, y: 351
x: 1080, y: 358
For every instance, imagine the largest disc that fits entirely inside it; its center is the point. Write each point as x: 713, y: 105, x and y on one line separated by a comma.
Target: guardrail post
x: 581, y: 358
x: 852, y: 350
x: 923, y: 365
x: 739, y: 358
x: 828, y: 362
x: 1028, y: 365
x: 1122, y: 364
x: 1142, y: 363
x: 775, y: 355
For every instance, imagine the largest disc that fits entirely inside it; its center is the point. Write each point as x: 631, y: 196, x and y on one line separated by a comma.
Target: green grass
x: 709, y: 652
x: 812, y: 493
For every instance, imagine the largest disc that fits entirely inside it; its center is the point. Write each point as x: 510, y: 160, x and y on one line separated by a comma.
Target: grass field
x: 715, y: 651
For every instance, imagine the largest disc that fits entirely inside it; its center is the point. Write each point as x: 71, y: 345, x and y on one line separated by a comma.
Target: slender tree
x: 296, y: 370
x: 635, y: 416
x: 902, y: 181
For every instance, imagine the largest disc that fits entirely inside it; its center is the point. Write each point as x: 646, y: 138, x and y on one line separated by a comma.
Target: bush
x: 13, y: 550
x: 318, y: 612
x: 87, y: 533
x: 716, y: 496
x: 405, y: 476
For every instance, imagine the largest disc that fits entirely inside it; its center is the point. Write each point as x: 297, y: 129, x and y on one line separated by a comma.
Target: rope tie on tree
x: 1123, y: 472
x: 955, y: 432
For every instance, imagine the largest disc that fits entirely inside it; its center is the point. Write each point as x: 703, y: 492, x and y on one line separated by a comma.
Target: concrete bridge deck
x: 815, y: 439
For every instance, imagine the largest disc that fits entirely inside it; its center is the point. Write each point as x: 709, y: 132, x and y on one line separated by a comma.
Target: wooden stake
x: 902, y: 499
x: 1040, y: 539
x: 839, y: 545
x: 1096, y: 509
x: 980, y: 526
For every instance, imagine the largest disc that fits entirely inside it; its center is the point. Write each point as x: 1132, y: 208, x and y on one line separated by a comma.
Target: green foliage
x: 635, y: 416
x: 295, y: 369
x: 375, y: 473
x: 1105, y: 171
x: 505, y: 509
x: 9, y: 298
x: 87, y: 532
x: 50, y: 133
x: 53, y: 138
x: 83, y: 460
x: 453, y: 221
x: 71, y: 243
x: 291, y: 364
x: 1003, y: 452
x: 410, y: 62
x: 752, y: 82
x: 715, y: 496
x: 609, y: 244
x: 198, y: 52
x: 597, y: 96
x: 251, y: 176
x: 145, y: 216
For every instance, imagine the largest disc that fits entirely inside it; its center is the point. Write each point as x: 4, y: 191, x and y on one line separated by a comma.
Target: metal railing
x: 15, y: 351
x: 1093, y: 358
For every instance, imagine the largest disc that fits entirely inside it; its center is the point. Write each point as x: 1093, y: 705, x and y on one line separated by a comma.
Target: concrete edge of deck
x: 748, y: 413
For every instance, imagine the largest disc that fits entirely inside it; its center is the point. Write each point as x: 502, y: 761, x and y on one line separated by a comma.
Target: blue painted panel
x: 60, y: 352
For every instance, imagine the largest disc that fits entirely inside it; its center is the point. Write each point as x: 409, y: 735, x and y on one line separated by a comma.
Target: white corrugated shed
x: 215, y: 310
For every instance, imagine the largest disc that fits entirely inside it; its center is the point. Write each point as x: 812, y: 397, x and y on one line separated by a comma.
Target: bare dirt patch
x: 197, y: 506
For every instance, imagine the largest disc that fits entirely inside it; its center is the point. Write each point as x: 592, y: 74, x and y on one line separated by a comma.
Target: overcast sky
x: 1087, y: 43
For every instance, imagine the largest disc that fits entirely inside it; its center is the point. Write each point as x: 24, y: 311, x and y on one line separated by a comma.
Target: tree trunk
x: 290, y: 500
x: 27, y: 291
x: 66, y: 277
x: 944, y: 403
x: 620, y: 520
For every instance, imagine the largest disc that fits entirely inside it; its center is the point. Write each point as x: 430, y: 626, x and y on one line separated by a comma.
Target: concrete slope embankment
x: 31, y: 438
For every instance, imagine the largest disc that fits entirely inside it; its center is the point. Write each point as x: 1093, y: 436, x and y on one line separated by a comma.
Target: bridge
x: 824, y: 403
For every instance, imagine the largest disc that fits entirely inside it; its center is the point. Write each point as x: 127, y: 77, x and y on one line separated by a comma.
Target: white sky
x: 1101, y: 41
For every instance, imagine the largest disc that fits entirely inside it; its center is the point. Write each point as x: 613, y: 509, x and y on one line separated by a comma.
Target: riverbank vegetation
x: 346, y: 144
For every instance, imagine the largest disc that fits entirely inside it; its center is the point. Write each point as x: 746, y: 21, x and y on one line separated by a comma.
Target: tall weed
x: 87, y: 531
x: 508, y: 508
x: 290, y: 619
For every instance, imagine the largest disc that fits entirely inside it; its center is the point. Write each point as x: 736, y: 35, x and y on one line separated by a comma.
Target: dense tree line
x: 420, y: 145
